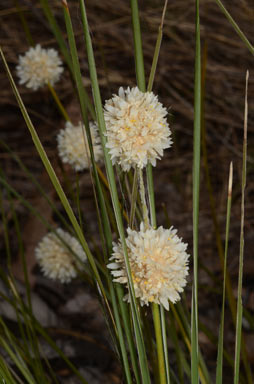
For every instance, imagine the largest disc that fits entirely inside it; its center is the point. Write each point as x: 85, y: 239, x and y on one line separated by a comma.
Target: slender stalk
x: 240, y: 276
x: 114, y: 195
x: 133, y: 198
x: 149, y: 89
x: 58, y: 102
x: 105, y: 219
x: 159, y: 343
x: 196, y: 182
x: 139, y: 59
x: 143, y: 198
x: 229, y: 290
x: 219, y: 368
x: 157, y: 49
x: 57, y: 32
x: 161, y: 340
x: 155, y: 307
x: 164, y: 342
x: 236, y: 27
x: 186, y: 338
x: 54, y: 179
x: 28, y: 34
x: 37, y: 184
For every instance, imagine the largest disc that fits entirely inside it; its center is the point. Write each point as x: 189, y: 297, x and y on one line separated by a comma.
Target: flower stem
x: 58, y: 102
x: 143, y: 198
x: 159, y: 343
x: 155, y: 307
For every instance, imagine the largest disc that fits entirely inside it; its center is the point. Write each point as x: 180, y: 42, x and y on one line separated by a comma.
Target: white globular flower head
x: 56, y: 259
x: 136, y: 128
x: 39, y: 67
x: 158, y: 263
x: 73, y: 145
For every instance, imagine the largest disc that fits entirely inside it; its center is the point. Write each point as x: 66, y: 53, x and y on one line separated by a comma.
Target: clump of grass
x: 142, y: 346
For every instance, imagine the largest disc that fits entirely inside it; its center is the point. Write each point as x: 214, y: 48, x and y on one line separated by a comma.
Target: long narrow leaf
x: 114, y: 195
x: 240, y: 276
x: 219, y: 368
x: 236, y: 27
x: 53, y: 177
x: 196, y: 182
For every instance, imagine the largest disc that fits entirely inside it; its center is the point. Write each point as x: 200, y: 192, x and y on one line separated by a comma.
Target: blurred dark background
x: 227, y: 60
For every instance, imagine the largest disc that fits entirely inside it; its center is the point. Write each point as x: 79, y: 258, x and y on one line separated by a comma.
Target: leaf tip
x: 230, y: 180
x: 65, y: 4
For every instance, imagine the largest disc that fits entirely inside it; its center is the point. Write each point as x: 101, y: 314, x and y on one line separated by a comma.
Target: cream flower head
x: 38, y: 67
x: 73, y: 146
x: 137, y: 128
x: 56, y: 260
x: 158, y: 263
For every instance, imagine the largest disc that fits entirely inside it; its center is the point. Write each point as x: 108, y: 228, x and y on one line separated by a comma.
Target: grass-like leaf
x: 219, y: 368
x: 240, y: 273
x: 54, y: 178
x: 236, y: 27
x: 114, y: 196
x: 196, y: 182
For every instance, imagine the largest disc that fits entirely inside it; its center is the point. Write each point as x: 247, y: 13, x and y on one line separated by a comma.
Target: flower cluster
x: 158, y: 263
x: 55, y: 257
x: 137, y: 129
x: 38, y: 67
x: 73, y: 146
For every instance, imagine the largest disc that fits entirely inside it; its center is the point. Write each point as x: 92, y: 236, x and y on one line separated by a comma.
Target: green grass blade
x: 83, y: 97
x: 26, y: 29
x: 6, y: 374
x: 83, y: 105
x: 196, y: 183
x: 219, y: 368
x: 235, y: 26
x: 36, y: 183
x: 182, y: 364
x: 139, y: 59
x: 114, y: 195
x: 62, y: 45
x: 185, y: 330
x: 157, y: 50
x: 240, y: 276
x: 58, y: 102
x: 159, y: 343
x: 57, y: 32
x: 164, y: 342
x: 229, y: 289
x: 159, y: 316
x: 149, y: 89
x: 105, y: 219
x: 9, y: 345
x: 54, y: 178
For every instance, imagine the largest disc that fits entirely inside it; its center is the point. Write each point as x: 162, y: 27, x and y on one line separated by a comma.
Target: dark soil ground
x: 72, y: 311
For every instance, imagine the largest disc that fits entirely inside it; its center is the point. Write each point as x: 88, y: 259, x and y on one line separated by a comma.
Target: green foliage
x: 141, y: 347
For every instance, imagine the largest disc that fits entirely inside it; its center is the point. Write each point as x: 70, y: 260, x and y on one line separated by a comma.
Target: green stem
x: 143, y: 198
x: 159, y: 343
x: 196, y: 184
x: 139, y: 60
x: 240, y: 274
x: 157, y: 50
x: 114, y: 195
x: 58, y: 102
x: 133, y: 198
x: 165, y: 342
x: 219, y: 368
x: 28, y: 34
x: 235, y: 26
